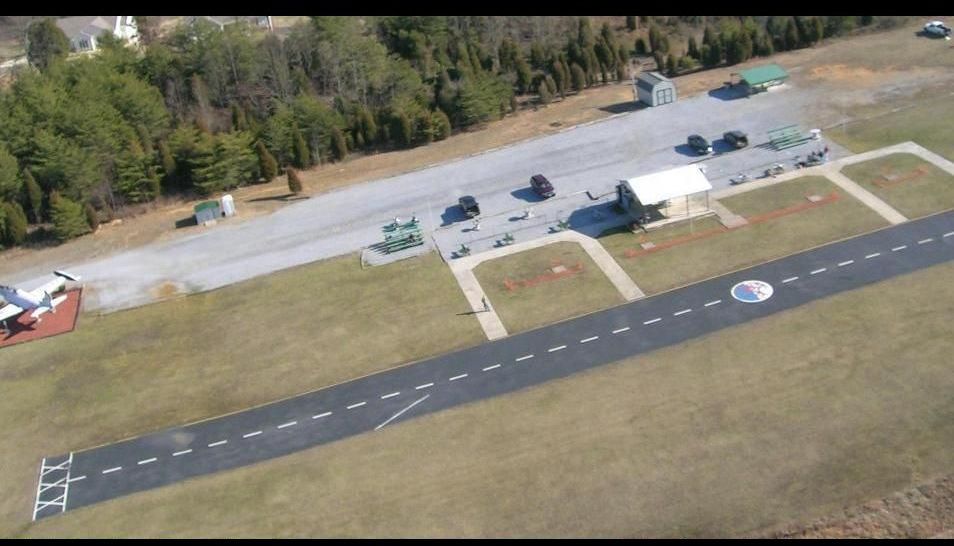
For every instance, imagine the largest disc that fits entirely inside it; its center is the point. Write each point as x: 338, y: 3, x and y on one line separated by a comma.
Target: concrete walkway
x: 885, y: 210
x: 489, y: 320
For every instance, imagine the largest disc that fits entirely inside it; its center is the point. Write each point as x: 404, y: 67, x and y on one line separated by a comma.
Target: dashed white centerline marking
x: 713, y: 302
x: 847, y: 262
x: 657, y: 319
x: 456, y: 377
x: 817, y: 271
x: 424, y: 386
x: 251, y: 434
x: 524, y: 357
x: 320, y: 415
x: 147, y: 461
x: 76, y: 479
x: 288, y: 424
x: 392, y: 395
x: 220, y: 442
x: 948, y: 234
x: 790, y: 279
x: 494, y: 367
x: 874, y: 255
x: 177, y: 453
x: 897, y: 248
x: 555, y: 349
x: 620, y: 330
x: 683, y: 312
x: 589, y: 339
x: 928, y: 240
x: 358, y: 405
x: 113, y: 469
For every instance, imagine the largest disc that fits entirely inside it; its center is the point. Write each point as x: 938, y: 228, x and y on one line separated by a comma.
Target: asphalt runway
x: 516, y: 362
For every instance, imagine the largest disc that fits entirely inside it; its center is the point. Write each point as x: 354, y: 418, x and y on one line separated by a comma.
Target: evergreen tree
x: 791, y: 35
x: 544, y: 92
x: 671, y: 65
x: 338, y: 146
x: 294, y: 183
x: 640, y: 46
x: 524, y: 74
x: 239, y: 118
x: 302, y: 155
x: 441, y: 124
x: 92, y: 219
x: 167, y: 162
x: 45, y: 43
x: 631, y: 22
x: 266, y: 162
x: 34, y: 196
x: 401, y: 129
x: 654, y: 38
x: 15, y: 224
x: 69, y: 220
x: 578, y: 77
x: 693, y: 49
x: 10, y: 184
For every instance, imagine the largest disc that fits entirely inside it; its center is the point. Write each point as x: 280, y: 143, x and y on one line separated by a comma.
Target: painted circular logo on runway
x: 752, y: 291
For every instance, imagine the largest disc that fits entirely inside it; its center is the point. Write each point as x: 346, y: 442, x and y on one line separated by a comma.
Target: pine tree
x: 338, y: 146
x: 693, y: 49
x: 294, y: 183
x: 45, y: 43
x: 545, y: 95
x: 302, y: 158
x: 92, y: 219
x: 15, y: 224
x: 441, y: 124
x: 69, y: 220
x: 34, y: 196
x: 671, y: 65
x: 266, y: 162
x: 578, y: 77
x: 167, y: 162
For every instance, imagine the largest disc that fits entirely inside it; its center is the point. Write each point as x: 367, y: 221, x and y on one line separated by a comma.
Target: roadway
x: 491, y: 369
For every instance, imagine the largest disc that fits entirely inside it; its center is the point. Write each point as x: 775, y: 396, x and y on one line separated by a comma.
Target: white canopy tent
x: 658, y: 189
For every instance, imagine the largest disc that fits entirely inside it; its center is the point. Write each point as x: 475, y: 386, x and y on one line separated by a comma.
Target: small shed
x: 654, y: 89
x: 207, y: 210
x: 665, y: 194
x: 761, y: 78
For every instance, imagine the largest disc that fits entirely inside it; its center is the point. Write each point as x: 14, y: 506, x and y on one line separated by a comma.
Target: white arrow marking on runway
x: 398, y: 414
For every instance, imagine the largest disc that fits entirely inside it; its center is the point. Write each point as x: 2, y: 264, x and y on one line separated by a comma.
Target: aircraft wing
x: 50, y: 287
x: 9, y: 311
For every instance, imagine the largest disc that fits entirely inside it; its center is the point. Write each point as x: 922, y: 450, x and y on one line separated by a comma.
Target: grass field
x: 171, y: 363
x: 915, y: 197
x: 741, y: 247
x: 549, y: 300
x: 784, y: 419
x: 926, y: 121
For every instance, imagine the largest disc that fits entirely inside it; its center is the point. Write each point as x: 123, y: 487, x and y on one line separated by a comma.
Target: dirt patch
x: 166, y: 290
x: 925, y: 511
x: 842, y: 73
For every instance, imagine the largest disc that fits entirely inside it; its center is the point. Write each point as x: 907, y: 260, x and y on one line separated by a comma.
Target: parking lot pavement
x: 587, y: 158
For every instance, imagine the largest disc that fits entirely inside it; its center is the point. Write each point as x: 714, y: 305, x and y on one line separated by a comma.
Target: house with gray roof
x: 83, y: 31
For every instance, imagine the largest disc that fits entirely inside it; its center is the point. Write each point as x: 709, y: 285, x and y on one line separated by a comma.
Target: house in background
x: 83, y: 31
x: 260, y: 21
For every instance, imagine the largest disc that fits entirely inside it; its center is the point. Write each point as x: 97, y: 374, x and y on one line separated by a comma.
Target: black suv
x: 542, y: 186
x: 699, y: 144
x: 737, y: 139
x: 469, y: 205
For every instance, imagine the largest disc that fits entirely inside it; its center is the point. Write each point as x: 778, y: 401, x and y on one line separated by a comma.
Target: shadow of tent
x: 728, y: 92
x: 592, y: 220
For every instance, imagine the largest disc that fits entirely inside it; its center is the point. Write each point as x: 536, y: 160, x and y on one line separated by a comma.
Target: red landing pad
x: 64, y: 320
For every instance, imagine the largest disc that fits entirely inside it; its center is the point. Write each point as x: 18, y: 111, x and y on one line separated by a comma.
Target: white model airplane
x: 38, y: 301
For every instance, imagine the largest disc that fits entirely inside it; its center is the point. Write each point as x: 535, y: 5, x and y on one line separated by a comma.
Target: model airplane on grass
x: 37, y: 301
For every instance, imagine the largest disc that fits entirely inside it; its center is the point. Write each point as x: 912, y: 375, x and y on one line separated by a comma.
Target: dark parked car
x: 542, y: 186
x: 699, y: 144
x: 469, y: 205
x: 737, y: 139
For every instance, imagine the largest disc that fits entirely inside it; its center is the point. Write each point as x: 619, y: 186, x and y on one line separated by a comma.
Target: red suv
x: 542, y: 186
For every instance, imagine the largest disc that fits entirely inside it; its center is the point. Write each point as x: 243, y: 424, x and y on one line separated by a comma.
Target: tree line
x: 205, y: 109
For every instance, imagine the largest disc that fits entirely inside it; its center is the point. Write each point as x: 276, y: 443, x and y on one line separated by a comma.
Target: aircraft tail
x: 68, y: 276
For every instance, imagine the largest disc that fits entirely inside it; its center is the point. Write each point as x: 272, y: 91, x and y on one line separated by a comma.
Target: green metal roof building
x: 761, y: 78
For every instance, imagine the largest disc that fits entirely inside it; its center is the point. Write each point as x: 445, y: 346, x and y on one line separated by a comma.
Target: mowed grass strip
x: 171, y: 363
x: 897, y: 180
x: 749, y: 245
x: 539, y: 295
x: 783, y: 419
x: 927, y: 122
